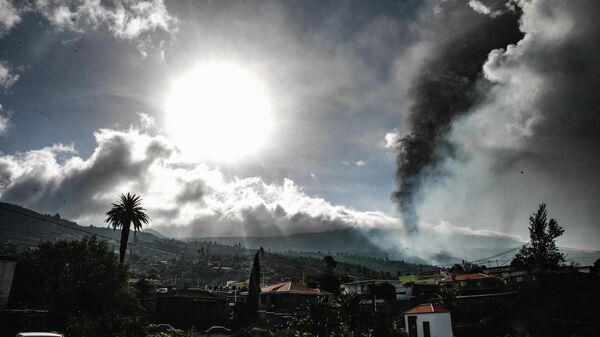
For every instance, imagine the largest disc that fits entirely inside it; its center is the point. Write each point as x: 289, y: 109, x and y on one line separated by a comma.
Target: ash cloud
x: 446, y: 88
x: 535, y: 137
x: 532, y: 135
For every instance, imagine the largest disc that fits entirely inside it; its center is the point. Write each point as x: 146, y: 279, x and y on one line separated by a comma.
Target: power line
x: 84, y: 231
x: 497, y: 255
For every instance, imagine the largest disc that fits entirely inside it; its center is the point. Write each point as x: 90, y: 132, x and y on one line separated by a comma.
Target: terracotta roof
x: 289, y: 287
x: 426, y: 308
x: 476, y: 276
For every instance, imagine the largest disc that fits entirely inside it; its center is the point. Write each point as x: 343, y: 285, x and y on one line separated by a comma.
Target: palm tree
x: 121, y: 215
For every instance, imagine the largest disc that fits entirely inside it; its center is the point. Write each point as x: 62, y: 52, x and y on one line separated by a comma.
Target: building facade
x: 428, y: 320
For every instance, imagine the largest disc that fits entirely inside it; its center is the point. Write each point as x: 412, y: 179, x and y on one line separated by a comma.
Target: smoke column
x: 444, y: 89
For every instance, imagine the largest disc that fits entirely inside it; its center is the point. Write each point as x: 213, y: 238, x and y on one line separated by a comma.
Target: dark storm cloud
x: 445, y: 89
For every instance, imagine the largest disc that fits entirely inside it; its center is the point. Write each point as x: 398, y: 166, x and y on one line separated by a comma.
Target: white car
x: 217, y: 330
x: 168, y: 328
x: 39, y: 334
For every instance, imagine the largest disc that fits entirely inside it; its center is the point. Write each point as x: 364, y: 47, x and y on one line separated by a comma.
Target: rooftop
x: 373, y: 281
x: 291, y: 288
x: 426, y: 308
x: 476, y: 276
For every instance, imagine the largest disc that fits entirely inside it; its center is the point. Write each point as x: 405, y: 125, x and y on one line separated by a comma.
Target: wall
x: 7, y: 271
x: 440, y: 324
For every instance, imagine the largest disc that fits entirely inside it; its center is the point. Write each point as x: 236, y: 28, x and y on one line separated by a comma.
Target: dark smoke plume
x: 445, y: 90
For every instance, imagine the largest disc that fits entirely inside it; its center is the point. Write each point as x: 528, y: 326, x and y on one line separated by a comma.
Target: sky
x: 273, y: 117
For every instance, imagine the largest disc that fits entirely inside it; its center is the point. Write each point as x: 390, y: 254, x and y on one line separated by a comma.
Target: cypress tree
x: 253, y: 291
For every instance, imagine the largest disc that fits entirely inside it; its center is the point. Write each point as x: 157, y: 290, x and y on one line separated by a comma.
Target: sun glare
x: 218, y: 112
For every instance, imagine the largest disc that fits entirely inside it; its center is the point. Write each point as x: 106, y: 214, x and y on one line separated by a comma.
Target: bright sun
x: 218, y: 112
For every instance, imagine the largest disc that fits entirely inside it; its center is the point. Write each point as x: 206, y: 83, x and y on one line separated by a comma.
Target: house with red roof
x: 476, y: 283
x: 288, y: 296
x: 277, y: 302
x: 428, y: 320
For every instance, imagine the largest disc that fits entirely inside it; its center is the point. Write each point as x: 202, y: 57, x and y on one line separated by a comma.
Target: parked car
x: 40, y: 334
x: 217, y: 330
x: 168, y: 328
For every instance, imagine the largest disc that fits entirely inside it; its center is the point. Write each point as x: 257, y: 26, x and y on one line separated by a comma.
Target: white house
x: 428, y: 320
x: 361, y: 287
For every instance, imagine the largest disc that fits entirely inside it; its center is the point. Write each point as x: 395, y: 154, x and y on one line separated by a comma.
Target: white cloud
x: 391, y: 140
x: 4, y: 122
x: 177, y: 193
x: 7, y: 77
x: 147, y: 121
x: 481, y: 8
x: 9, y: 16
x: 126, y: 19
x: 360, y: 163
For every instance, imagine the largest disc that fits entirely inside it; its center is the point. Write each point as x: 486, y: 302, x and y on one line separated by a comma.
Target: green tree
x: 82, y: 286
x: 466, y: 268
x: 350, y: 309
x: 123, y: 214
x: 446, y: 297
x: 541, y: 253
x: 253, y: 291
x: 329, y: 263
x: 144, y: 288
x: 330, y: 282
x: 316, y: 317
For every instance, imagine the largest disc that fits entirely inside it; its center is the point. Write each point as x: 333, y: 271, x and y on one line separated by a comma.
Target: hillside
x: 365, y: 242
x: 23, y: 227
x: 171, y: 261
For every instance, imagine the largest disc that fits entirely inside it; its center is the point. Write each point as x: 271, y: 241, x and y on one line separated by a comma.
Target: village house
x: 428, y: 320
x: 287, y: 296
x: 279, y: 301
x: 362, y: 287
x: 476, y: 283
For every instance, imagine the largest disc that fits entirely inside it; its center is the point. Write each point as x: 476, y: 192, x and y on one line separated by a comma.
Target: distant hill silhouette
x: 24, y: 227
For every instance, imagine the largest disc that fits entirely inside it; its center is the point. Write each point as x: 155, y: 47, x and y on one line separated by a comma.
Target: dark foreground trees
x: 128, y: 211
x: 83, y: 287
x: 541, y: 254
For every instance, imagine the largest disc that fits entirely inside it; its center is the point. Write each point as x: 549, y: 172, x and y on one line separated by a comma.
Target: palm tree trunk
x: 124, y: 239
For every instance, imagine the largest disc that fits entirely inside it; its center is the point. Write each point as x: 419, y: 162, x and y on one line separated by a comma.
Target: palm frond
x: 127, y: 211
